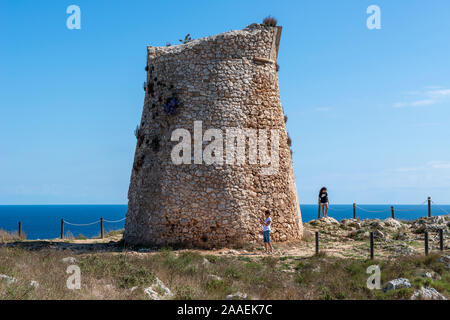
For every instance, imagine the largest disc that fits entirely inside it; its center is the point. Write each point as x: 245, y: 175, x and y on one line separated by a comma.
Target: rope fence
x: 101, y: 221
x: 339, y: 210
x: 443, y: 210
x: 437, y: 236
x: 392, y: 209
x: 372, y: 211
x: 429, y: 202
x: 413, y: 208
x: 115, y: 221
x: 81, y: 225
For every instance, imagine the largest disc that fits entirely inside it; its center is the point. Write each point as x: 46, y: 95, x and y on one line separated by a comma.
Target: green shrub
x: 245, y: 259
x: 185, y: 292
x: 254, y: 266
x: 213, y: 259
x: 136, y: 276
x: 186, y: 39
x: 271, y: 262
x: 231, y: 272
x: 217, y: 286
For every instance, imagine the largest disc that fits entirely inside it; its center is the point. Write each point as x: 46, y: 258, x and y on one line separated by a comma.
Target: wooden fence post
x: 62, y: 228
x: 429, y: 207
x: 317, y: 242
x: 20, y: 229
x: 354, y: 210
x: 392, y: 212
x: 101, y: 227
x: 426, y: 243
x: 441, y: 239
x: 371, y: 246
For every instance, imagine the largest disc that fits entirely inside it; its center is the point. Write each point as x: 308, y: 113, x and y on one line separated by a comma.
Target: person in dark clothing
x: 323, y: 201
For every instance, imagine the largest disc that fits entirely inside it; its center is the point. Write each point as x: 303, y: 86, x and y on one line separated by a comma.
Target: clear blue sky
x: 368, y: 110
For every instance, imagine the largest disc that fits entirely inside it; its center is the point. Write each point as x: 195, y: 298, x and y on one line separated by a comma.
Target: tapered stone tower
x: 212, y: 149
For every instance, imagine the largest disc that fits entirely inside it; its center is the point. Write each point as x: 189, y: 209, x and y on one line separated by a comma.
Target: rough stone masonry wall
x: 226, y: 80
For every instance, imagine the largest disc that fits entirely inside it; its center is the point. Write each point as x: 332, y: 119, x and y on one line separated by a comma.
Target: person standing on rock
x: 323, y: 201
x: 266, y: 232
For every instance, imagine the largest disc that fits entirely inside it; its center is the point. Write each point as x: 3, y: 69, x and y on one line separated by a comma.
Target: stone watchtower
x: 196, y: 180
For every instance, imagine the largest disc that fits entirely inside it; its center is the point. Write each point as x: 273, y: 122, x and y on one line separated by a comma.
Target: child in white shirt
x: 266, y: 232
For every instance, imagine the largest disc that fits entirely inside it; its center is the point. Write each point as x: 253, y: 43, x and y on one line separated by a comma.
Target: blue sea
x: 44, y: 221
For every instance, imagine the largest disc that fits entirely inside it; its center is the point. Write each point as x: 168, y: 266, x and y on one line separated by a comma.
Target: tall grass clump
x: 270, y: 21
x: 6, y: 236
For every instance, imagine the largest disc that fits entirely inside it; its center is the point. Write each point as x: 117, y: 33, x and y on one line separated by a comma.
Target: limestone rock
x: 392, y: 223
x: 427, y: 294
x: 360, y: 234
x: 7, y: 279
x: 166, y: 290
x: 324, y: 221
x: 329, y: 220
x: 354, y: 223
x: 397, y: 284
x: 403, y: 249
x: 237, y: 296
x: 206, y: 262
x: 445, y: 259
x: 70, y: 260
x: 430, y: 224
x: 158, y: 291
x: 377, y: 234
x: 214, y: 277
x: 152, y: 294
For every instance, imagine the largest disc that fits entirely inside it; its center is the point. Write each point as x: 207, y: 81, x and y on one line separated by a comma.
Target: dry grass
x: 6, y: 236
x: 110, y: 271
x: 190, y: 275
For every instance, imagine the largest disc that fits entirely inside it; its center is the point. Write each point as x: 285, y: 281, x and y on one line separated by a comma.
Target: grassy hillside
x: 122, y: 273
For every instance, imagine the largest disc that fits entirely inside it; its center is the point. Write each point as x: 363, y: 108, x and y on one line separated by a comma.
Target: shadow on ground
x: 111, y: 246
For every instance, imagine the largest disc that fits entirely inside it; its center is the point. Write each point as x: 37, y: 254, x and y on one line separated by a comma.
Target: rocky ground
x: 392, y: 237
x: 113, y: 271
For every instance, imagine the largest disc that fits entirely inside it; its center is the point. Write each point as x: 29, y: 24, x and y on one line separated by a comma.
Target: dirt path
x: 342, y: 240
